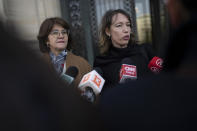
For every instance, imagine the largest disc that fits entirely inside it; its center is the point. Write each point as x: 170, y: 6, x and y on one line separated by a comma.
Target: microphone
x: 156, y: 65
x: 128, y: 71
x: 70, y: 74
x: 91, y: 84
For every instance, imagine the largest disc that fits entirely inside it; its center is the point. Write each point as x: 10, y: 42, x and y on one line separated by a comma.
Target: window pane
x: 143, y: 18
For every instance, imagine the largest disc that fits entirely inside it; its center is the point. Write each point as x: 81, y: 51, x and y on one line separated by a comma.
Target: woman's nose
x: 125, y: 28
x: 60, y: 34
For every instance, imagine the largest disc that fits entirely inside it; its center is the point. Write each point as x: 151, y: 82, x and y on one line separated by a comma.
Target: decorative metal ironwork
x: 78, y: 46
x: 94, y: 27
x: 75, y: 14
x: 131, y: 8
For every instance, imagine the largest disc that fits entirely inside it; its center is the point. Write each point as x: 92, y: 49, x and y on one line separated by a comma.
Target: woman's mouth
x: 61, y: 41
x: 126, y: 37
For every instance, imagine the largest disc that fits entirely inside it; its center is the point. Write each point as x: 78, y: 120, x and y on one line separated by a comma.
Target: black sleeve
x: 148, y: 51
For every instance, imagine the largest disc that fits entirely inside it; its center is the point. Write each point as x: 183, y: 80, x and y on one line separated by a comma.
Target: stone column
x: 24, y: 17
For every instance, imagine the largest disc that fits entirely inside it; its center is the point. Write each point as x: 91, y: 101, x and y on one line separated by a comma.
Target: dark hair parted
x: 46, y: 28
x: 106, y: 22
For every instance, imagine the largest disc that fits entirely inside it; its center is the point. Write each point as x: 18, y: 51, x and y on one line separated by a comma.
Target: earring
x: 109, y: 36
x: 47, y: 44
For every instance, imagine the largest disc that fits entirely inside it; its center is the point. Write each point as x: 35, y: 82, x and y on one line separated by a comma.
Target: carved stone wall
x: 94, y: 27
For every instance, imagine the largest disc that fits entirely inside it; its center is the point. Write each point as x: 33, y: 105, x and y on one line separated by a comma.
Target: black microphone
x: 88, y: 94
x: 128, y: 70
x: 70, y: 74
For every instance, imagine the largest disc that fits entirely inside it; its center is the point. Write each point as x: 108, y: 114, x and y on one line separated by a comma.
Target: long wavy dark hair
x: 104, y: 40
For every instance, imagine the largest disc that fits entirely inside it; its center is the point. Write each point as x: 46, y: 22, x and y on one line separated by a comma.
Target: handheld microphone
x: 91, y: 84
x: 128, y: 71
x: 156, y: 64
x: 89, y: 95
x: 70, y: 74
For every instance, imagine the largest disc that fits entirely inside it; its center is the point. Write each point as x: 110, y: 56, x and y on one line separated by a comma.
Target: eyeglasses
x: 57, y: 33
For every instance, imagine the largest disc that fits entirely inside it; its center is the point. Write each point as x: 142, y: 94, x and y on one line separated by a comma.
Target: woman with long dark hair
x: 117, y: 43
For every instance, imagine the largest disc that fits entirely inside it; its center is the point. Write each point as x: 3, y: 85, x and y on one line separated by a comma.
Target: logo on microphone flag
x: 86, y: 78
x: 94, y: 80
x: 97, y: 81
x: 156, y: 64
x: 159, y: 62
x: 128, y: 70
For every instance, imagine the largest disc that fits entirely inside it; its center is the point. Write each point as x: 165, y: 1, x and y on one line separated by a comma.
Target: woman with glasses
x: 55, y: 41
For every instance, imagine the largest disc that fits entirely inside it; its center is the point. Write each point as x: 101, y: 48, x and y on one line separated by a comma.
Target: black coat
x: 110, y: 63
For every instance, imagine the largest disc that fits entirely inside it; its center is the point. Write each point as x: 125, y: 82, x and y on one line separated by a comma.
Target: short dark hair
x: 45, y: 30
